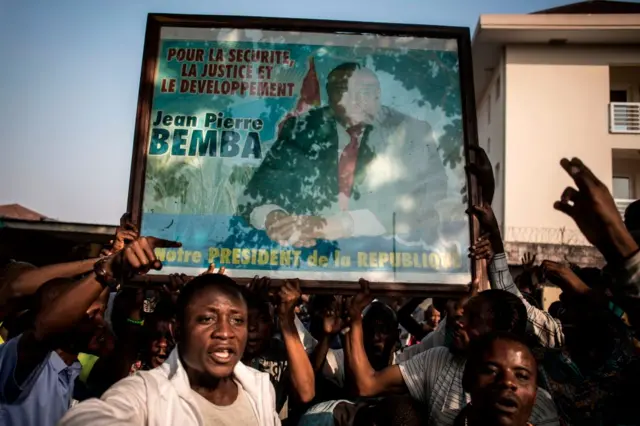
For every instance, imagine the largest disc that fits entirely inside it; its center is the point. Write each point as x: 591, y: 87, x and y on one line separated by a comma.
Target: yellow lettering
x: 312, y: 260
x: 246, y: 256
x: 394, y: 259
x: 456, y: 260
x: 406, y: 260
x: 373, y: 260
x: 254, y: 255
x: 416, y: 260
x: 263, y: 257
x: 296, y: 257
x: 225, y: 256
x: 285, y: 258
x: 274, y: 258
x: 187, y: 255
x: 160, y: 253
x: 196, y: 257
x: 345, y: 261
x: 383, y: 259
x: 434, y: 261
x: 180, y: 252
x: 323, y: 261
x: 171, y: 256
x: 213, y: 254
x: 236, y: 256
x: 362, y: 259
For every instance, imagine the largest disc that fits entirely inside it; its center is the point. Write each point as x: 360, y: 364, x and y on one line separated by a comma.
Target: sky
x: 69, y: 77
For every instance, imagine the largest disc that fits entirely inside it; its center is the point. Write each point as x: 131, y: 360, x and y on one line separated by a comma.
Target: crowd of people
x: 83, y: 345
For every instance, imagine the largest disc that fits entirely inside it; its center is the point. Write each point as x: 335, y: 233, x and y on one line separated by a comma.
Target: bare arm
x: 69, y: 307
x: 55, y: 318
x: 28, y: 282
x: 409, y: 322
x: 302, y: 377
x: 368, y: 382
x: 319, y: 354
x: 117, y: 365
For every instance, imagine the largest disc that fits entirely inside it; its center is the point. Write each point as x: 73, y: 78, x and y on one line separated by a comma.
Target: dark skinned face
x: 471, y: 319
x: 161, y: 344
x: 503, y: 389
x: 260, y: 328
x: 214, y: 334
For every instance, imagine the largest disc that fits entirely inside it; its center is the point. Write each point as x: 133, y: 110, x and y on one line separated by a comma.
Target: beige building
x: 558, y: 83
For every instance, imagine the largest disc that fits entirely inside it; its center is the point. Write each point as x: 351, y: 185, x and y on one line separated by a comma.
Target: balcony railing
x: 622, y: 204
x: 624, y: 117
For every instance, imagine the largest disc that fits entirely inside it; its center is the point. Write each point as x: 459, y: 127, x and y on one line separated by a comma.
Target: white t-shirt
x: 238, y: 413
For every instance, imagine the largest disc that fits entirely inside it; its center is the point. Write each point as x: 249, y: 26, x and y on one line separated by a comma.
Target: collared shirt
x: 435, y: 378
x: 163, y: 397
x: 44, y: 397
x: 584, y: 398
x: 546, y: 328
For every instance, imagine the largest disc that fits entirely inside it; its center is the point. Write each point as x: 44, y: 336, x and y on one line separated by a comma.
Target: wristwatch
x: 106, y: 279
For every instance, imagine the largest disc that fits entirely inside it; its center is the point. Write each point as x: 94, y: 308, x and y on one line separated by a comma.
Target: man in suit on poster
x: 343, y: 170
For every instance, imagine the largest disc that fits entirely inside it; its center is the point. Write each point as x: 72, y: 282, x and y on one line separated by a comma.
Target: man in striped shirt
x: 434, y: 377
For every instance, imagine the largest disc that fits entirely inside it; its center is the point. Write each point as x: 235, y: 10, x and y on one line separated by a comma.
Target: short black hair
x: 257, y: 302
x: 479, y: 347
x: 51, y: 290
x: 218, y: 282
x: 507, y: 310
x: 632, y: 216
x: 382, y: 312
x: 47, y: 293
x: 555, y: 308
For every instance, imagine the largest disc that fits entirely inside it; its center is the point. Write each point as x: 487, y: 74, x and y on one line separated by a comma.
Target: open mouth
x: 221, y: 355
x: 162, y: 357
x: 506, y: 404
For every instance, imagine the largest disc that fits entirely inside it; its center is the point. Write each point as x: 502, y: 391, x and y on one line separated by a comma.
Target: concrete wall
x: 556, y: 106
x: 491, y: 132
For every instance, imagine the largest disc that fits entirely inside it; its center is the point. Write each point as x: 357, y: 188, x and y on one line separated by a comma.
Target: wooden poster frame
x: 145, y: 97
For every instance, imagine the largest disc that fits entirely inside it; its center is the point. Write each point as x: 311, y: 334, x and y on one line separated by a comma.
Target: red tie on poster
x: 347, y: 165
x: 309, y: 95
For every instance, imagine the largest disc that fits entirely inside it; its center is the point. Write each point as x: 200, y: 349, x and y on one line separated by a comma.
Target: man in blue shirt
x: 38, y: 368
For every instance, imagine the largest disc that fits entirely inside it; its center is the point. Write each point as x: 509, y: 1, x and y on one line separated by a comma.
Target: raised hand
x: 483, y: 171
x: 176, y: 283
x: 138, y: 256
x: 592, y: 207
x: 332, y: 318
x: 260, y: 286
x: 528, y: 261
x: 212, y: 270
x: 360, y: 301
x: 562, y: 276
x: 125, y: 233
x: 481, y: 249
x: 486, y: 218
x: 288, y: 297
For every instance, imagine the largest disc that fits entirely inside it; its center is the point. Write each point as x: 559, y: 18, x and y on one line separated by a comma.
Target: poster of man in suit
x: 310, y: 155
x: 358, y: 168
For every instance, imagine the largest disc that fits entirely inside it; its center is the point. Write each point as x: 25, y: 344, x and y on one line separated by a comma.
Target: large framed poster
x: 320, y: 150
